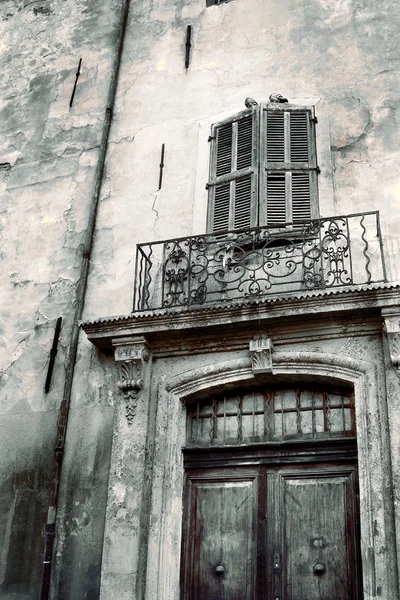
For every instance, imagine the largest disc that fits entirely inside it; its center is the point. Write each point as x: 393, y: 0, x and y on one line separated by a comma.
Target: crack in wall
x: 153, y: 208
x: 18, y: 350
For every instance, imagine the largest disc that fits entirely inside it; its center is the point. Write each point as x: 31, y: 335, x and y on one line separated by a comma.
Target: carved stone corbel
x: 392, y: 330
x: 261, y: 348
x: 131, y: 356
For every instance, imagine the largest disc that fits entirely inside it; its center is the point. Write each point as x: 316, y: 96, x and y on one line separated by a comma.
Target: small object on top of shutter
x: 277, y: 98
x: 249, y: 102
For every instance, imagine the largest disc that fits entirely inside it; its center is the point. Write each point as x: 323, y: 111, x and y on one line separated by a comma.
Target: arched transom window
x: 272, y: 415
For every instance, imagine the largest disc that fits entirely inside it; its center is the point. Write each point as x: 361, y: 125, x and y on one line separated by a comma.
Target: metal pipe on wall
x: 50, y: 531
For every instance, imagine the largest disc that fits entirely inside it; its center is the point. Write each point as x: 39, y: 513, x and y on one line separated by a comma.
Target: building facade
x: 201, y: 313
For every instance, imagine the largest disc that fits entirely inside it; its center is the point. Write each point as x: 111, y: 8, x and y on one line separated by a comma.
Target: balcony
x: 238, y: 266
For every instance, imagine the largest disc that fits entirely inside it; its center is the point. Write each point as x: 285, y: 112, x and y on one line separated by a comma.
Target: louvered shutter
x: 288, y: 184
x: 234, y: 173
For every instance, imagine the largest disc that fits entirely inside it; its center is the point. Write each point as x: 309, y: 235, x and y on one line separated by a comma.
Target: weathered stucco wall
x: 342, y: 56
x: 48, y: 154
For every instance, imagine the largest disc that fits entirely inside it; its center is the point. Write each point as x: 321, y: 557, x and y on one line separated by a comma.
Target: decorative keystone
x: 261, y: 348
x: 392, y: 330
x: 131, y: 356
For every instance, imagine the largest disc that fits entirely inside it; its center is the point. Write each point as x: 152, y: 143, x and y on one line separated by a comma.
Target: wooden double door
x: 272, y: 532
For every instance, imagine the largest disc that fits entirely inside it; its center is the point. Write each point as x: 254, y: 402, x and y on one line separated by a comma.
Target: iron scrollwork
x: 256, y: 262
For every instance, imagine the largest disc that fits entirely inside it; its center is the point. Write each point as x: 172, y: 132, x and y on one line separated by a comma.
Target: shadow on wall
x: 24, y: 500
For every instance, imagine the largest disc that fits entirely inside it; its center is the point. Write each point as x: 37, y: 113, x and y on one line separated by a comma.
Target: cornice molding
x: 345, y: 303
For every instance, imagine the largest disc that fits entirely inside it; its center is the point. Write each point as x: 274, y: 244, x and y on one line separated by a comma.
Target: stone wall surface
x: 341, y: 56
x: 48, y: 154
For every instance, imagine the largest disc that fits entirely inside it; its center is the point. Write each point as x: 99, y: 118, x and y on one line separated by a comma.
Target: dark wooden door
x: 313, y: 533
x: 271, y: 533
x: 221, y: 535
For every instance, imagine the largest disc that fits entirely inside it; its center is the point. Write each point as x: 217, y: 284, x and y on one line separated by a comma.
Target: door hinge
x: 314, y: 119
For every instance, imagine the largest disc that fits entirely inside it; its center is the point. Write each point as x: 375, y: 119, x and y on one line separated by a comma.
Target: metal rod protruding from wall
x: 53, y: 353
x: 188, y: 46
x: 161, y: 167
x: 76, y: 81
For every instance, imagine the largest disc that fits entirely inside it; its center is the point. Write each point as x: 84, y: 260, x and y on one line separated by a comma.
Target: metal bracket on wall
x: 76, y: 81
x: 188, y: 46
x: 161, y: 167
x: 53, y: 353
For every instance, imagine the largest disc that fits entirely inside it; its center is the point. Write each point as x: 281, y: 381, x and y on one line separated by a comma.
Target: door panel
x: 222, y: 542
x: 314, y: 533
x: 272, y: 533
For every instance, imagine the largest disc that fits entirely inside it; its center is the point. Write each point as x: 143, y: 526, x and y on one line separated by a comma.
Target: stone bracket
x: 131, y: 356
x: 261, y: 348
x: 392, y: 329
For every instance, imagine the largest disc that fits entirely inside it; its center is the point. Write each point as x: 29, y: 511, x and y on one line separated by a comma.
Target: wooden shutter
x: 288, y: 185
x: 233, y: 173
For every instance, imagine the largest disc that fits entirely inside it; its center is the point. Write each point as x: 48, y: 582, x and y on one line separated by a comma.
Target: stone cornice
x: 346, y: 302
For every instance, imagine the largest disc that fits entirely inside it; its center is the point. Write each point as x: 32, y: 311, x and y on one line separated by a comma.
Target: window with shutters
x: 263, y: 169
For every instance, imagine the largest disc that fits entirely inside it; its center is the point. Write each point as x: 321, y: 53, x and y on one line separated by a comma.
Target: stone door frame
x: 377, y: 526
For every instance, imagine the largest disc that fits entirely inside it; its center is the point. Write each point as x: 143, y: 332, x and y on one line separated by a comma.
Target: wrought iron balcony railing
x: 252, y: 263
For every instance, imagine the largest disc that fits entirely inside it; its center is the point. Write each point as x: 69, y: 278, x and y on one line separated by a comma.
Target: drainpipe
x: 50, y: 531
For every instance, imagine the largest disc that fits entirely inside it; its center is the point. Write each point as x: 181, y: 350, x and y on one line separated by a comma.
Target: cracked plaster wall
x: 48, y: 154
x: 341, y: 56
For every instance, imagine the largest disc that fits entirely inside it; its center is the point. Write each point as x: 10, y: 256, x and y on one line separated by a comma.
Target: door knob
x: 319, y: 569
x: 219, y: 570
